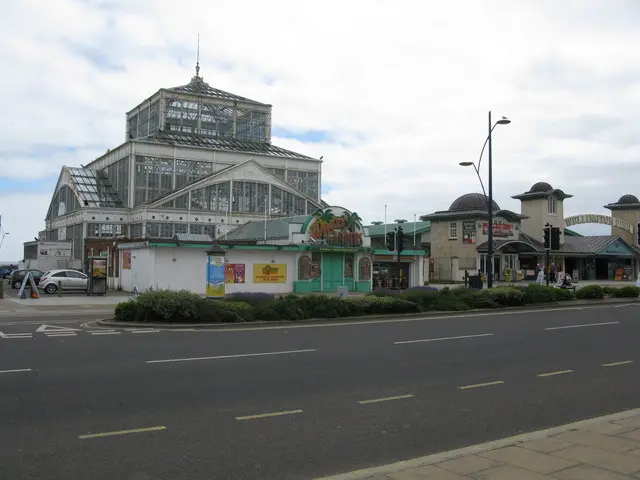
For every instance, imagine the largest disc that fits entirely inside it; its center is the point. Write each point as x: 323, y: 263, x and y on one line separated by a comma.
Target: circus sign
x: 600, y: 219
x: 334, y: 228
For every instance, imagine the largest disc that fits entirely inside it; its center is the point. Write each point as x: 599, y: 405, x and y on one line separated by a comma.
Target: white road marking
x: 105, y: 333
x: 581, y: 326
x: 17, y: 370
x: 220, y: 357
x: 384, y: 399
x: 55, y: 329
x: 145, y: 331
x: 10, y: 336
x: 626, y: 305
x: 71, y: 334
x: 438, y: 339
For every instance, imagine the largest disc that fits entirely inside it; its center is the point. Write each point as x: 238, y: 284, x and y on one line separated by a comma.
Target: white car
x: 67, y: 279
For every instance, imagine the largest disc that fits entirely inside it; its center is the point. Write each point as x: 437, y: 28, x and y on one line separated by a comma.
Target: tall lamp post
x: 489, y: 262
x: 3, y: 235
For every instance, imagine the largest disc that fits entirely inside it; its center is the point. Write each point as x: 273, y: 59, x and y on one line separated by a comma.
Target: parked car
x: 17, y: 276
x: 5, y: 270
x: 67, y: 279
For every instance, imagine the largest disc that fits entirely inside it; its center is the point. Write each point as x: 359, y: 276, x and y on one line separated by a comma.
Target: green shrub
x: 481, y: 299
x: 220, y: 311
x: 609, y: 290
x: 534, y: 293
x: 507, y: 296
x: 128, y: 311
x: 628, y: 291
x: 564, y: 294
x: 179, y: 306
x: 590, y: 292
x: 368, y: 305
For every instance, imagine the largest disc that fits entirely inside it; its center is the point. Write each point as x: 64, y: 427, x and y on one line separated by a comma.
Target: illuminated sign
x: 339, y: 230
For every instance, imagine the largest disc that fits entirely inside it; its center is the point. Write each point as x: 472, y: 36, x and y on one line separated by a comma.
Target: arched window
x: 553, y: 205
x: 364, y: 268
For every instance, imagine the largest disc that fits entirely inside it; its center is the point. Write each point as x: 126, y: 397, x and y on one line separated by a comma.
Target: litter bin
x: 475, y: 281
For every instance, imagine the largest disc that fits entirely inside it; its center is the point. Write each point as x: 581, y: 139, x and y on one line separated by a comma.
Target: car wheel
x: 51, y: 288
x: 17, y: 284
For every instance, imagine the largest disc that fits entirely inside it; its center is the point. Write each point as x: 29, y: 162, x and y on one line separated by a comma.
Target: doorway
x: 332, y: 272
x: 602, y: 269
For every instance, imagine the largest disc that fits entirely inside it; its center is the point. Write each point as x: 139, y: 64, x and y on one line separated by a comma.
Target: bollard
x: 59, y: 288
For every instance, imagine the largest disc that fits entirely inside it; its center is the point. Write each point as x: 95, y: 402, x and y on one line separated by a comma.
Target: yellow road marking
x: 479, y: 385
x: 615, y: 364
x: 121, y: 432
x: 384, y: 399
x: 551, y: 374
x: 265, y: 415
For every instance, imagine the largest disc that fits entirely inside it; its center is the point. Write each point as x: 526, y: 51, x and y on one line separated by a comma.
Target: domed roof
x: 472, y: 201
x: 628, y: 199
x: 540, y: 187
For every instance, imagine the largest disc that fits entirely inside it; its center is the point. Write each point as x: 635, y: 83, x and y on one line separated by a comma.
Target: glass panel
x: 249, y: 197
x: 153, y: 178
x: 213, y: 198
x: 365, y: 269
x: 306, y: 182
x: 286, y: 203
x: 304, y: 268
x: 348, y: 265
x: 195, y: 229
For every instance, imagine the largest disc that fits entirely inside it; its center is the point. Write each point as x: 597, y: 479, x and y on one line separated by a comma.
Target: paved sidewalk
x: 605, y: 448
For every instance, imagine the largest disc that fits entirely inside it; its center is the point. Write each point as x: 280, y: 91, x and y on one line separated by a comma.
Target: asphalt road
x: 196, y: 404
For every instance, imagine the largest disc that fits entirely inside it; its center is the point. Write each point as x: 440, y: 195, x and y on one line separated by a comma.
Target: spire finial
x: 198, y: 58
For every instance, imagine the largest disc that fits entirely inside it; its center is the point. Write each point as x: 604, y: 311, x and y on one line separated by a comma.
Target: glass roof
x: 231, y: 144
x: 200, y: 87
x: 93, y: 189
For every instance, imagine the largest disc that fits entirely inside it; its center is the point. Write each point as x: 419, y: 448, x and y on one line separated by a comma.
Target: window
x: 348, y: 265
x: 553, y: 205
x: 453, y: 230
x: 309, y: 267
x: 364, y: 269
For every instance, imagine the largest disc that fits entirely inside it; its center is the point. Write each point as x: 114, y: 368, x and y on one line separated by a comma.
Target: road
x: 299, y: 403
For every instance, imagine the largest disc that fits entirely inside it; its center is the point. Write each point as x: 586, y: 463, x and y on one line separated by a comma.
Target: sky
x: 393, y: 95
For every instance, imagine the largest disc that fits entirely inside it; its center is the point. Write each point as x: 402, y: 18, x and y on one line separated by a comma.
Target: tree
x: 353, y: 221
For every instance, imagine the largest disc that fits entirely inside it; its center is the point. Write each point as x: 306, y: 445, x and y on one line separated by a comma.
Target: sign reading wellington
x: 340, y: 229
x: 598, y: 218
x: 269, y: 273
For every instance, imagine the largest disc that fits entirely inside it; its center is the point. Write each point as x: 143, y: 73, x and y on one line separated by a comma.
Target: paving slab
x: 604, y: 459
x: 427, y: 473
x: 545, y: 445
x: 528, y: 459
x: 468, y: 464
x: 509, y: 473
x: 585, y: 472
x: 598, y: 440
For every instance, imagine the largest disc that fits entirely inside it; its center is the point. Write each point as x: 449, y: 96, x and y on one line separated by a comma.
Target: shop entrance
x: 332, y: 274
x: 602, y: 269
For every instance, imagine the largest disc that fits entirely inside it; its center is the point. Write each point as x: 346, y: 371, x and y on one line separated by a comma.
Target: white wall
x: 141, y: 272
x: 183, y: 268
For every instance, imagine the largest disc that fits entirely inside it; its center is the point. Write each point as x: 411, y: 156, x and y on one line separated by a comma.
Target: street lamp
x: 489, y: 262
x: 3, y: 235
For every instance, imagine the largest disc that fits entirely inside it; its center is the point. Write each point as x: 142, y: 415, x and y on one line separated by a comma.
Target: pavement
x: 603, y: 448
x: 67, y: 304
x: 580, y: 284
x: 307, y: 401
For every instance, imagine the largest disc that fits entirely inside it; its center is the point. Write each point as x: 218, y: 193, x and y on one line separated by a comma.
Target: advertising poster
x: 468, y: 232
x: 234, y: 273
x: 499, y: 229
x: 215, y: 276
x: 269, y: 273
x: 126, y: 260
x: 99, y: 267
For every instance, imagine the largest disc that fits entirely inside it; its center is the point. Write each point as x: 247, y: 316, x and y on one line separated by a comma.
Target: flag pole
x: 414, y: 230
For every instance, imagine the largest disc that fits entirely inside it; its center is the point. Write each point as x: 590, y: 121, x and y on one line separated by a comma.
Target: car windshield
x: 46, y: 274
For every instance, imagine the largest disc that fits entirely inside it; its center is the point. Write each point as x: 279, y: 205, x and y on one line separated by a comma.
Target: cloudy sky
x: 392, y: 94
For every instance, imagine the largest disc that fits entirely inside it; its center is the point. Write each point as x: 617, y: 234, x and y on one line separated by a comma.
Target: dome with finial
x: 540, y: 187
x: 628, y: 199
x: 472, y: 201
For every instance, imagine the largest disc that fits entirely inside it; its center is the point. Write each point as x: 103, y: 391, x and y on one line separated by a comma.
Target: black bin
x: 475, y: 281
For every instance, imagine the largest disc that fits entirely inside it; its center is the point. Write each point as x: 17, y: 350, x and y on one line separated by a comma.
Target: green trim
x: 405, y: 253
x: 207, y: 246
x: 306, y: 223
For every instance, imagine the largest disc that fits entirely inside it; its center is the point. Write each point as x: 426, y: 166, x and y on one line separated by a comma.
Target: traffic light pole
x: 547, y: 262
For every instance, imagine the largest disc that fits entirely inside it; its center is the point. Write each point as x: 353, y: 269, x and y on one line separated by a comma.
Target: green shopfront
x: 338, y: 255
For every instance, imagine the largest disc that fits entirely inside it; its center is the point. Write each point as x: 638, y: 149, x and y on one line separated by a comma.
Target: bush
x: 507, y: 296
x: 628, y: 291
x: 251, y: 298
x: 221, y: 311
x: 590, y: 292
x: 534, y: 293
x: 384, y: 292
x: 369, y: 305
x: 168, y: 306
x: 564, y: 294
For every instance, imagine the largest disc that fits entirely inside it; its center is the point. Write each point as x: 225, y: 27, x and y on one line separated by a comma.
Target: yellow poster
x: 269, y: 273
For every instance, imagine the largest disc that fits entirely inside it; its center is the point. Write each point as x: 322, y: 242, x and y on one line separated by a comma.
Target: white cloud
x: 404, y: 89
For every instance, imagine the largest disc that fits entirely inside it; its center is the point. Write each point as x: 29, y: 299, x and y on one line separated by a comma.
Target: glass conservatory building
x: 196, y: 160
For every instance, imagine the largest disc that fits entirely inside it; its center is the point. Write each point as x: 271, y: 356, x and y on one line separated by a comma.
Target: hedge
x: 167, y: 306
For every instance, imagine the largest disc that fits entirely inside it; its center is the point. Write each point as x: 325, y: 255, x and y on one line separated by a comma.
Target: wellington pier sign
x: 597, y: 218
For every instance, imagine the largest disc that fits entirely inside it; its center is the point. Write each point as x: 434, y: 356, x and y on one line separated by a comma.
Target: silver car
x: 64, y: 279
